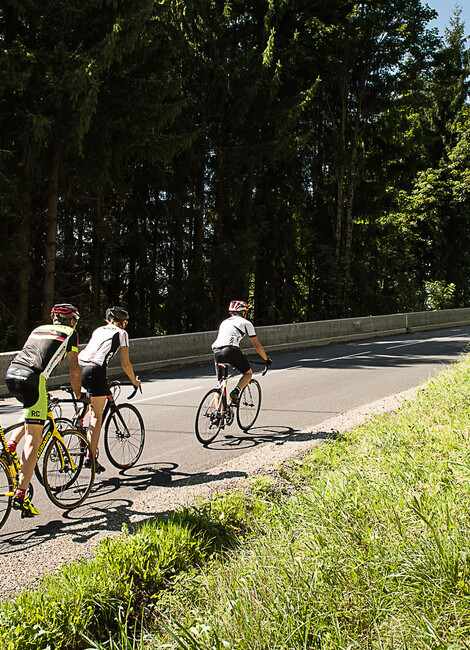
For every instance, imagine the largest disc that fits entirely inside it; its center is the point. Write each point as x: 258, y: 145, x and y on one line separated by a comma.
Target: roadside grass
x: 372, y: 551
x: 88, y: 599
x: 364, y: 543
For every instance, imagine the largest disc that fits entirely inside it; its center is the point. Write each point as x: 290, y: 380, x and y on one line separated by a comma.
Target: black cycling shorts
x: 94, y: 379
x: 29, y: 388
x: 234, y: 356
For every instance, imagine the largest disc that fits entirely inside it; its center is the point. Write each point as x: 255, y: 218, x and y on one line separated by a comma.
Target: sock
x: 20, y: 494
x: 11, y: 444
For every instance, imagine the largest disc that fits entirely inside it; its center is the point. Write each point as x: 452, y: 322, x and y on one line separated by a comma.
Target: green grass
x: 373, y: 551
x: 368, y: 547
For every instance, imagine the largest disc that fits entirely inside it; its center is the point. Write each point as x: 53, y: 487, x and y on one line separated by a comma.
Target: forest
x: 310, y: 157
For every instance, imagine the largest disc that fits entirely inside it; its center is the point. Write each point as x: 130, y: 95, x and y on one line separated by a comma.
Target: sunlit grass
x: 372, y: 552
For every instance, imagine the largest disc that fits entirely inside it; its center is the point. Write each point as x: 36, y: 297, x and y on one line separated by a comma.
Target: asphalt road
x: 302, y: 389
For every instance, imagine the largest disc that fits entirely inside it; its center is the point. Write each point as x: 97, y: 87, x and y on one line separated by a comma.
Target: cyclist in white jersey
x: 226, y: 347
x: 93, y: 359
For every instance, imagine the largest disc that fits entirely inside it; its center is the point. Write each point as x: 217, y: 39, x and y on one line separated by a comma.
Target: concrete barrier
x: 161, y: 352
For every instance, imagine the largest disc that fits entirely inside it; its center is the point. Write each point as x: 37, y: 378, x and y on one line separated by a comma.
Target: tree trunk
x: 96, y: 258
x: 51, y: 229
x: 24, y: 268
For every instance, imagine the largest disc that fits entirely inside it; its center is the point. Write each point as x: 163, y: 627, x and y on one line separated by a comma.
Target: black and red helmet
x: 64, y: 311
x: 237, y: 305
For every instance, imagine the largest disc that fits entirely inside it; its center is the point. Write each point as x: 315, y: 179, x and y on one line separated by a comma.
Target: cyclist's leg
x: 96, y: 419
x: 95, y: 383
x: 30, y: 389
x: 34, y: 417
x: 234, y: 356
x: 17, y: 381
x: 15, y: 438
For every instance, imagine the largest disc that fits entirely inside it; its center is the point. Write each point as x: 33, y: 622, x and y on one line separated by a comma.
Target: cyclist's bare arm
x: 75, y: 373
x: 127, y: 366
x: 258, y: 347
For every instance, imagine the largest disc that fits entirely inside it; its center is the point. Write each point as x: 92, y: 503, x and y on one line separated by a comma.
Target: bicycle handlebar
x: 116, y: 383
x: 136, y: 388
x: 112, y: 384
x: 261, y: 363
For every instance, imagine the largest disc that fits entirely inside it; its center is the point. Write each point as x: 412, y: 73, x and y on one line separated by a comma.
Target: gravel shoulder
x: 32, y: 555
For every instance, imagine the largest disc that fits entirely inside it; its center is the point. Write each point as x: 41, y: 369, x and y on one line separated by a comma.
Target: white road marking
x: 349, y: 356
x: 176, y: 392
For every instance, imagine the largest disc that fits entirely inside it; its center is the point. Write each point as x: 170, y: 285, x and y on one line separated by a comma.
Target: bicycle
x: 215, y: 411
x: 124, y: 430
x: 62, y: 477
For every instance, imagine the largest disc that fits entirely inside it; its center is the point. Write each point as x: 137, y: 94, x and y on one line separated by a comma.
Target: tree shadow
x: 104, y: 510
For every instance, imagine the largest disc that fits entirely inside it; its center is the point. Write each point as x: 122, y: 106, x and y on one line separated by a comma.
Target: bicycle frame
x: 52, y: 432
x: 6, y: 452
x: 226, y: 411
x: 80, y: 413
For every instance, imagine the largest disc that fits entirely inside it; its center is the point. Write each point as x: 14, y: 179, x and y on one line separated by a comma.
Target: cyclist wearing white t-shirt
x: 226, y: 347
x: 93, y: 359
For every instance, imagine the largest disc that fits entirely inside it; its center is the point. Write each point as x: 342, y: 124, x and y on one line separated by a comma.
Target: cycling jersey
x: 46, y: 347
x: 104, y: 343
x: 27, y: 375
x: 231, y: 332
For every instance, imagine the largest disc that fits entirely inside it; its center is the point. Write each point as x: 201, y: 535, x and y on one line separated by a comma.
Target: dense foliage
x: 312, y: 157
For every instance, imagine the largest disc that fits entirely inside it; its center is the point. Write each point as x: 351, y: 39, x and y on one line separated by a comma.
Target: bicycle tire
x: 66, y: 485
x: 249, y: 405
x: 6, y: 492
x: 208, y: 422
x: 124, y: 436
x: 62, y: 424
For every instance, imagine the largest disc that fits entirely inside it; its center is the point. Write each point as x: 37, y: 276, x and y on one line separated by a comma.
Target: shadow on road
x: 105, y: 511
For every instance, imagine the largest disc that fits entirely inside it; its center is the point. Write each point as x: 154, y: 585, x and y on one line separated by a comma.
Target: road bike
x: 216, y: 411
x: 124, y: 430
x: 66, y: 481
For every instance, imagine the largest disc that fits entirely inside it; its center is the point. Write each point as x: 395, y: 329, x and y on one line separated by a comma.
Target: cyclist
x: 93, y: 359
x: 226, y: 347
x: 26, y: 379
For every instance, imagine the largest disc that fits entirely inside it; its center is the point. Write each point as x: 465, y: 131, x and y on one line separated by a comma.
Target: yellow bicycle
x: 65, y: 479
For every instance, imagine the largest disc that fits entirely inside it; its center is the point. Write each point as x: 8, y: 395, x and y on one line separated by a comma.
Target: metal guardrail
x: 160, y: 352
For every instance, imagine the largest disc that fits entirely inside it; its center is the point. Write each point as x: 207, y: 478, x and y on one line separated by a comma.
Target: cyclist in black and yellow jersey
x: 26, y: 380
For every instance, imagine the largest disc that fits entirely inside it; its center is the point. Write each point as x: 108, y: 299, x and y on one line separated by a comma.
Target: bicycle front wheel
x: 124, y: 436
x: 249, y: 405
x: 209, y: 417
x: 66, y: 480
x: 62, y: 424
x: 6, y: 492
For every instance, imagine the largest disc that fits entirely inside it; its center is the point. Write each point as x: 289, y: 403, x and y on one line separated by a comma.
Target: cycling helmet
x: 64, y: 312
x: 238, y: 305
x: 118, y: 314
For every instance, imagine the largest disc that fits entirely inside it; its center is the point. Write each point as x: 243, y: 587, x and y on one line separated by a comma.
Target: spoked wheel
x: 249, y: 405
x: 66, y: 479
x: 124, y: 436
x: 209, y: 419
x: 62, y: 424
x: 6, y: 492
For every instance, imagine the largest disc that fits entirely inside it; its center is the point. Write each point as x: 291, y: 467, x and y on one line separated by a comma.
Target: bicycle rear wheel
x: 249, y: 405
x: 124, y: 436
x: 6, y: 492
x: 208, y: 417
x: 66, y: 481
